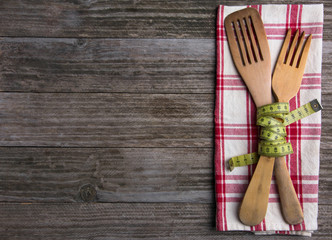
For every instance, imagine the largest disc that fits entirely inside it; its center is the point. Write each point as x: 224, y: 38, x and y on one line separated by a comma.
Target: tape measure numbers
x: 273, y: 118
x: 302, y: 112
x: 243, y: 160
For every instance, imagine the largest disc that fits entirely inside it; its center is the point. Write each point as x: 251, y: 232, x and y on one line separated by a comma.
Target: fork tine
x: 292, y: 47
x: 305, y: 52
x: 283, y: 51
x: 298, y: 50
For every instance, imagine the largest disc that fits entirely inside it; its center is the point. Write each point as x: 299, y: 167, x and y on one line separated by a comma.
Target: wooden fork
x: 286, y: 82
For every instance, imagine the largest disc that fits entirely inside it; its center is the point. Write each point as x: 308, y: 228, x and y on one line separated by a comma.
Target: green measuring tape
x: 272, y: 119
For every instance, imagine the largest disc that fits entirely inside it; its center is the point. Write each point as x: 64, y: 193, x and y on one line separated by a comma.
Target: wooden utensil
x: 286, y: 82
x: 251, y: 55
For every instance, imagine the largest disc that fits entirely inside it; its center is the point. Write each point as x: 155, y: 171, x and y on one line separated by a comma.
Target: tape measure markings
x: 273, y: 131
x: 302, y: 112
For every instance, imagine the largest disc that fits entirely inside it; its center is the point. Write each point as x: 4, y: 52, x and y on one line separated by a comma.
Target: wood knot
x: 88, y: 193
x: 81, y: 42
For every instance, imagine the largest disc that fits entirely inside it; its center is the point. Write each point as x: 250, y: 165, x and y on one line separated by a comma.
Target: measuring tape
x: 273, y: 118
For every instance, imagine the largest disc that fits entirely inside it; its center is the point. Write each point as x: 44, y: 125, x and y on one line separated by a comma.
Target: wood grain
x: 107, y: 65
x: 284, y: 92
x: 48, y: 175
x: 124, y: 220
x: 106, y: 120
x: 75, y: 76
x: 116, y: 65
x: 120, y: 19
x: 118, y: 174
x: 257, y: 76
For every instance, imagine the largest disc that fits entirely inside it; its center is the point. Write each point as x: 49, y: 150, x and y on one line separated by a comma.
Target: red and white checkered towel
x: 236, y: 132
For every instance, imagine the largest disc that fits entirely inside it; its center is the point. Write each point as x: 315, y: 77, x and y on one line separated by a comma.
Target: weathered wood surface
x: 114, y: 120
x: 118, y: 174
x: 116, y: 98
x: 126, y: 220
x: 106, y: 120
x: 71, y: 65
x: 107, y: 65
x: 121, y: 18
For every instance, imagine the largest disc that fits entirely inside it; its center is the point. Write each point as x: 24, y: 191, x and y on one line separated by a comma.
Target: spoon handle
x: 256, y: 198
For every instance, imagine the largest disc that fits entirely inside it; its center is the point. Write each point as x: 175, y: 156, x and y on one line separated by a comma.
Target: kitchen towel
x: 236, y: 131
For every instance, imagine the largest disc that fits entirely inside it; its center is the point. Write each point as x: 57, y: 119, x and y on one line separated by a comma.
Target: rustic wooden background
x: 106, y: 116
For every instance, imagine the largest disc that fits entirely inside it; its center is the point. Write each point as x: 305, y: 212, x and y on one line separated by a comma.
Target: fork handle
x: 290, y: 205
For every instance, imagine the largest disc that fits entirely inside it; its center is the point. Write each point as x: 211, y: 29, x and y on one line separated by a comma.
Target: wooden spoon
x: 286, y: 82
x: 251, y: 55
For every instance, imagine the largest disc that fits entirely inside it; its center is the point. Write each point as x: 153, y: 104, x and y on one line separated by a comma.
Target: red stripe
x: 217, y: 142
x: 315, y: 35
x: 305, y: 75
x: 253, y: 127
x: 312, y: 125
x: 271, y: 200
x: 250, y: 166
x: 254, y: 131
x: 243, y: 88
x: 220, y: 150
x: 259, y: 227
x: 272, y: 31
x: 232, y: 88
x: 234, y: 82
x: 248, y: 124
x: 313, y: 74
x: 245, y: 177
x: 287, y: 17
x: 313, y: 87
x: 280, y: 25
x: 287, y: 27
x: 281, y: 38
x: 308, y: 129
x: 310, y: 81
x: 223, y: 141
x: 232, y: 75
x: 293, y: 16
x: 318, y: 125
x: 241, y: 188
x: 300, y: 131
x: 256, y: 138
x: 235, y: 125
x: 296, y: 163
x: 302, y: 24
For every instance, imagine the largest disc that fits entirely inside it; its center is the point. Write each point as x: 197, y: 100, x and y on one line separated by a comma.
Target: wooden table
x: 106, y: 115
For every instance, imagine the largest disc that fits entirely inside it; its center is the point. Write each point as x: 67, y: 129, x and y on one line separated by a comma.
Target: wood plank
x: 116, y: 65
x: 124, y: 221
x: 111, y: 120
x: 118, y: 175
x: 106, y: 120
x: 107, y: 65
x: 120, y: 19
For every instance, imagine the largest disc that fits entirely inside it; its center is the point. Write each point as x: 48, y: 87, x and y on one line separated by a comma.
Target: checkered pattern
x: 236, y: 132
